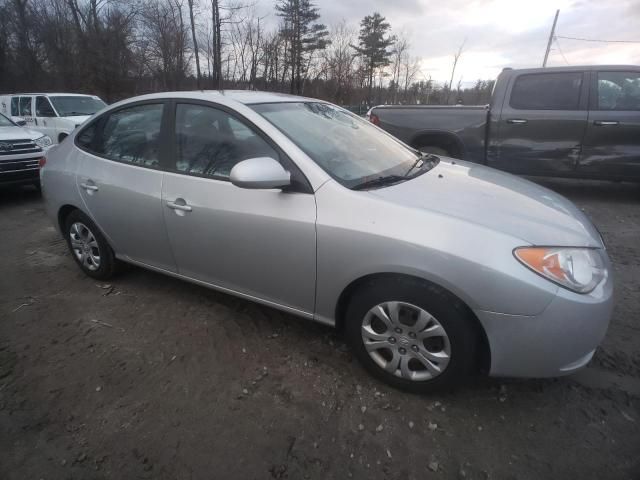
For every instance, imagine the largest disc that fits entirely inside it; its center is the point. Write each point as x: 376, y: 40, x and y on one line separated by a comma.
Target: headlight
x: 43, y: 142
x: 578, y: 269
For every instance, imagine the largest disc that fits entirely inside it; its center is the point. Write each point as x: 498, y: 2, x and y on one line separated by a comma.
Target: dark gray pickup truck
x: 569, y: 121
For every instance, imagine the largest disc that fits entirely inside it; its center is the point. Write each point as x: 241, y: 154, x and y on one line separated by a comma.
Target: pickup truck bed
x: 429, y: 128
x: 581, y: 122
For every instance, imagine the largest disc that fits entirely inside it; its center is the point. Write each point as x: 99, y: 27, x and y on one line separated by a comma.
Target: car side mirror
x: 21, y: 123
x: 260, y: 173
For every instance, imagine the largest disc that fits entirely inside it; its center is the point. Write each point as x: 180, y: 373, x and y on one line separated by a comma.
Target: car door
x: 120, y: 181
x: 542, y: 123
x: 261, y: 243
x: 612, y: 141
x: 45, y: 117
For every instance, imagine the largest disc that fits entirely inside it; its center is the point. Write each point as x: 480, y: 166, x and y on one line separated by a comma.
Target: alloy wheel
x: 85, y: 246
x: 406, y: 341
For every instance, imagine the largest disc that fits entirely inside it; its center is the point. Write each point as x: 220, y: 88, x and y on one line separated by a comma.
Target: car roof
x: 247, y: 97
x: 48, y: 94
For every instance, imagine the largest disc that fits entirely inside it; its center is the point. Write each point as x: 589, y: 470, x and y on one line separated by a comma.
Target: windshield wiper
x: 424, y: 158
x: 380, y: 182
x: 71, y: 114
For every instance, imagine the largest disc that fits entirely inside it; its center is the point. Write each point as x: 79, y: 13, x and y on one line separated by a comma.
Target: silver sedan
x: 433, y: 268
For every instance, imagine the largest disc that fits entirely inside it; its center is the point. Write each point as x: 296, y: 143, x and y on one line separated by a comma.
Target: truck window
x: 547, y: 91
x: 618, y: 91
x: 15, y: 112
x: 25, y: 107
x: 44, y: 108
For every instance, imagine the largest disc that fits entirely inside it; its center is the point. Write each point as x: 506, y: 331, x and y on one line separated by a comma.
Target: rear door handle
x: 606, y: 123
x: 517, y: 121
x: 182, y: 206
x: 89, y: 186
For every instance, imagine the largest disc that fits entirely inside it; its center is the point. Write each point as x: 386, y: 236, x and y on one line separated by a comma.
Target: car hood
x: 496, y: 200
x: 18, y: 133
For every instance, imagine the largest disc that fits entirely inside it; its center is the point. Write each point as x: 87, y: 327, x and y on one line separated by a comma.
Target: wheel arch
x: 484, y: 351
x: 63, y: 213
x: 449, y: 141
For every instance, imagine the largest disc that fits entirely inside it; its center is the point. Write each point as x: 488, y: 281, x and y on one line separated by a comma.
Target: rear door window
x: 547, y: 91
x: 129, y: 135
x: 618, y: 91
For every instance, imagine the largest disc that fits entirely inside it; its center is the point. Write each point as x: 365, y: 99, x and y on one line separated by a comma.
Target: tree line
x: 121, y: 48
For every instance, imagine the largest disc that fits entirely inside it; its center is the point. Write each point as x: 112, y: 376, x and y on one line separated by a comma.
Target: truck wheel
x: 61, y: 137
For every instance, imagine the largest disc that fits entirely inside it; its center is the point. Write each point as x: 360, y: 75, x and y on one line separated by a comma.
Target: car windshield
x: 348, y: 148
x: 76, y: 105
x: 5, y: 122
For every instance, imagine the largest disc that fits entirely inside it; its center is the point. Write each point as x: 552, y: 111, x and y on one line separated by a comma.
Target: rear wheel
x: 88, y: 246
x: 412, y: 335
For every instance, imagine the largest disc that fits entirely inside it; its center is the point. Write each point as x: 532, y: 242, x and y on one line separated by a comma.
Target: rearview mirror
x: 258, y: 173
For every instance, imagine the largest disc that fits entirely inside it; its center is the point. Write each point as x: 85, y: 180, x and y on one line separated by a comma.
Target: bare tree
x: 456, y: 57
x: 119, y: 48
x: 399, y: 56
x: 195, y: 42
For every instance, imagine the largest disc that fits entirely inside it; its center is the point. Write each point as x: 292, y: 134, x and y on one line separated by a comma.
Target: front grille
x: 18, y: 147
x: 13, y: 166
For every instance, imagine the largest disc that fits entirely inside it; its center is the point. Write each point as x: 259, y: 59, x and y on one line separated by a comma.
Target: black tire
x: 108, y: 264
x: 449, y: 312
x: 61, y: 137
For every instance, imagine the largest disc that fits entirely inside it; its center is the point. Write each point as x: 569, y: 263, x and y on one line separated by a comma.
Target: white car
x: 53, y: 114
x: 21, y: 153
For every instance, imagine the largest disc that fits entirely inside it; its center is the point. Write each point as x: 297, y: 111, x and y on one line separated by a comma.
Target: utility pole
x: 551, y: 35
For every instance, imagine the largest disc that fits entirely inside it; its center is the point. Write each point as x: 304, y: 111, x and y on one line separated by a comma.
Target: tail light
x: 42, y: 162
x: 373, y: 118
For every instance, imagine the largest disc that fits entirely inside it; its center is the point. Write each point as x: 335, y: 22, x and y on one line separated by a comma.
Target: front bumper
x: 559, y: 341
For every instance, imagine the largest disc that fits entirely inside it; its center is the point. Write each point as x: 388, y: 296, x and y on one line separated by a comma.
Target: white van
x: 53, y: 114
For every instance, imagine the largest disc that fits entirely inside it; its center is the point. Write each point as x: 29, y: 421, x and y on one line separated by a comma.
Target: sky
x: 501, y: 33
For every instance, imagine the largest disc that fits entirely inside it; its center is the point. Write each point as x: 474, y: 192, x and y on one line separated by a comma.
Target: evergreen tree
x: 373, y: 45
x: 302, y: 35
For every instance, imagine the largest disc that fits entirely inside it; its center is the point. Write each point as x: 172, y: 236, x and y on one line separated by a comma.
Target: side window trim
x: 301, y: 183
x: 582, y: 105
x: 99, y: 122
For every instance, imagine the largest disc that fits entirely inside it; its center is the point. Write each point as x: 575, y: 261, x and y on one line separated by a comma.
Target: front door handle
x: 517, y: 121
x: 606, y: 123
x: 179, y: 205
x: 89, y: 186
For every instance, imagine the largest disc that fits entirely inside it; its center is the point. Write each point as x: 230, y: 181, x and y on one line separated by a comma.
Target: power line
x: 599, y: 40
x: 560, y: 50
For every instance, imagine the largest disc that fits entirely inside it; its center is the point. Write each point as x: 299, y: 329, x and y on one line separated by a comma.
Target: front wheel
x: 412, y: 335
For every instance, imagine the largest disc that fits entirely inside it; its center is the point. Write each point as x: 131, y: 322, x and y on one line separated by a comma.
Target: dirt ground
x: 152, y: 378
